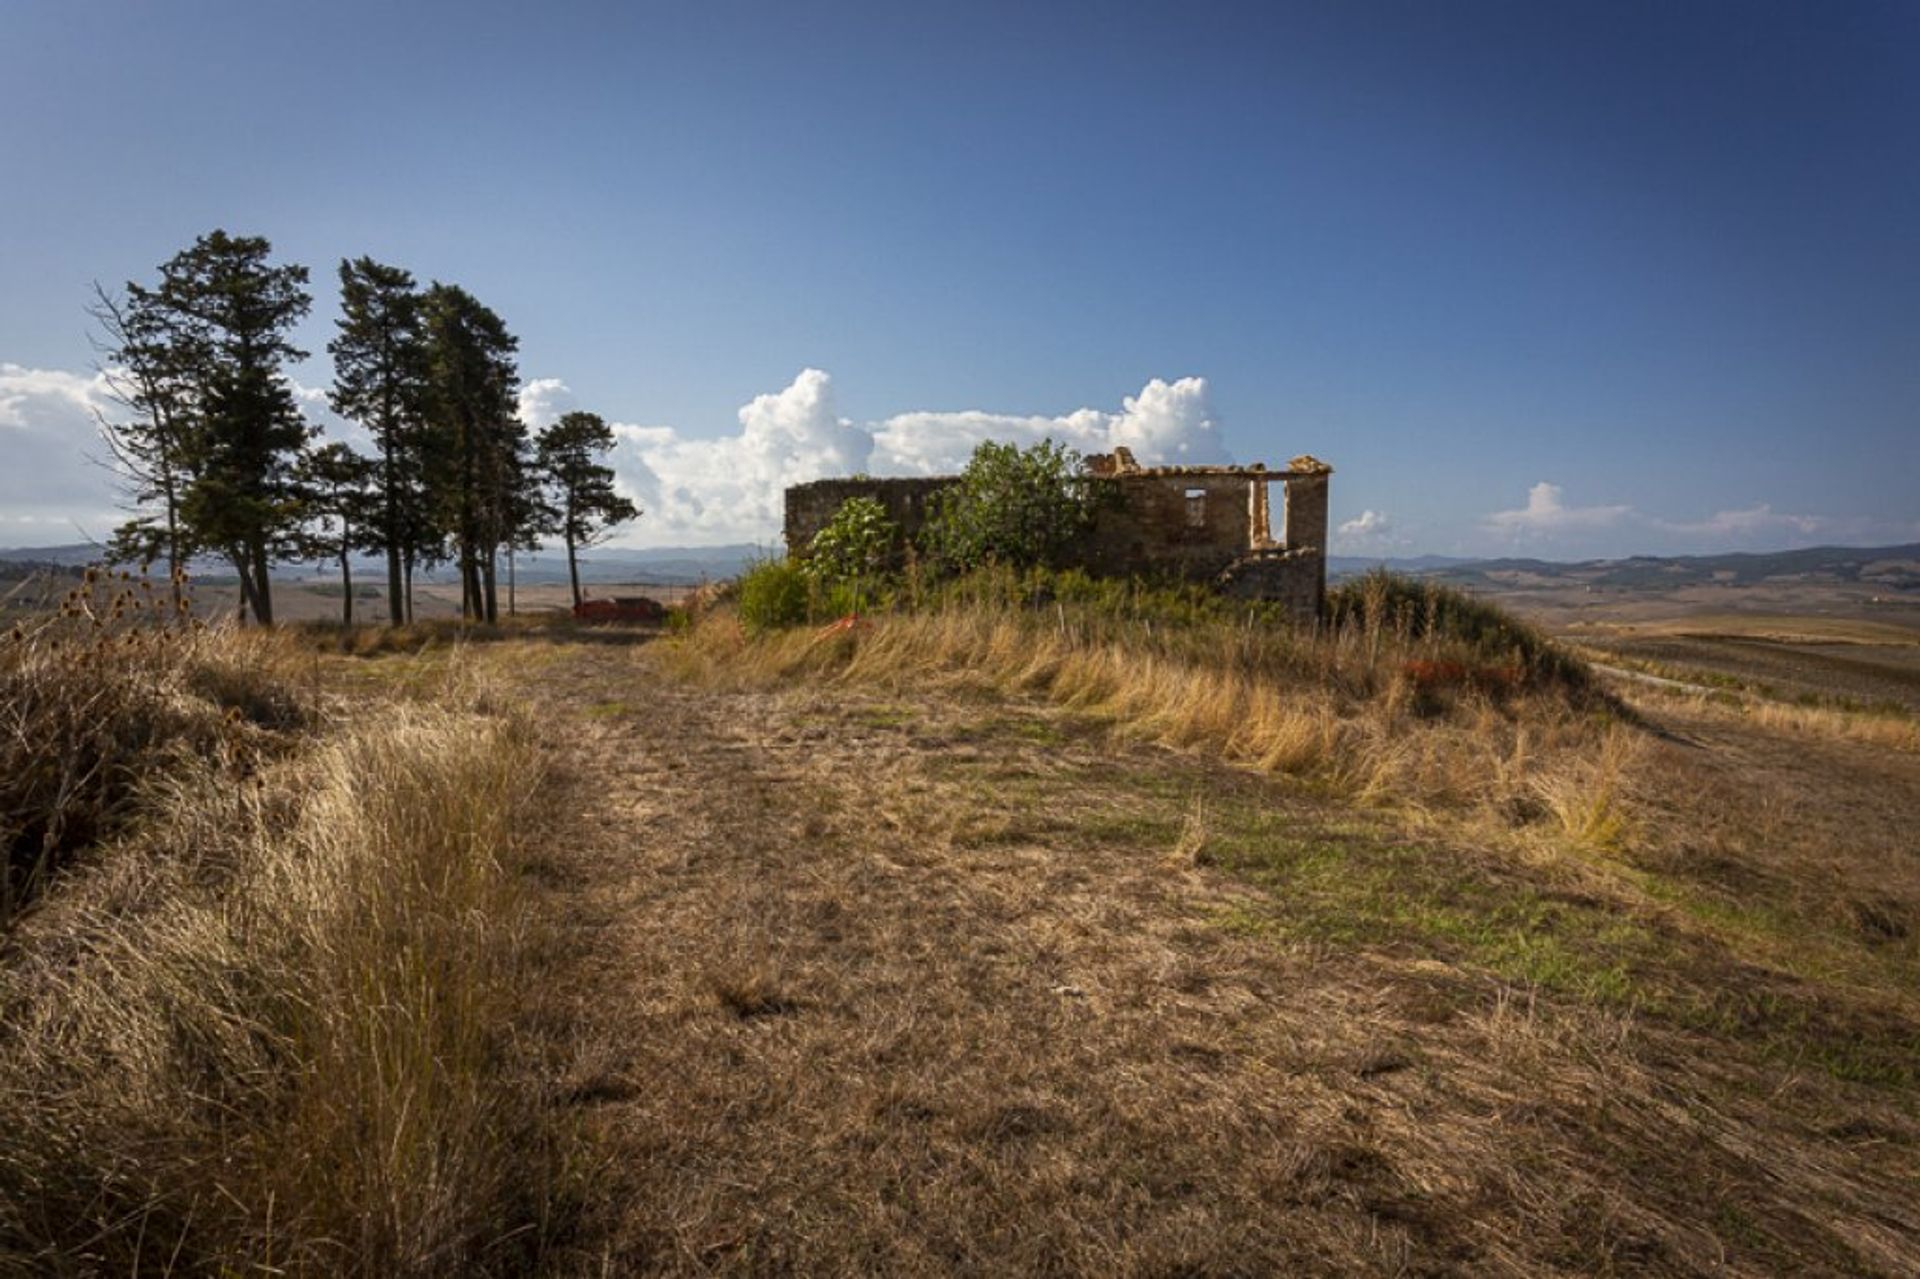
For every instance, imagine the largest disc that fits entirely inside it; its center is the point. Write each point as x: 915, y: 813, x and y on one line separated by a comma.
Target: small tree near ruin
x: 586, y: 505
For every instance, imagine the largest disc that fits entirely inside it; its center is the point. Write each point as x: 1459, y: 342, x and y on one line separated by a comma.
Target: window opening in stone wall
x: 1196, y: 508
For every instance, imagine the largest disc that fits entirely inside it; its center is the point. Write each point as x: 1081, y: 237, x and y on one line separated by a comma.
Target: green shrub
x: 857, y: 542
x: 773, y: 594
x: 848, y: 558
x: 1022, y: 507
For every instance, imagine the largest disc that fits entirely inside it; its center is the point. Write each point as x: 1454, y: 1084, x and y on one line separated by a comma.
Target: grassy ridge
x: 1408, y: 692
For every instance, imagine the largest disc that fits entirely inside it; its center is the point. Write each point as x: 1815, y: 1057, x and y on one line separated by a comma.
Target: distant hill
x: 667, y: 565
x: 1886, y: 567
x: 1354, y: 565
x: 65, y: 556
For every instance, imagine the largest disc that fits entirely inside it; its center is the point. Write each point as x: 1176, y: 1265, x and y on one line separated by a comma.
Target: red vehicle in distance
x: 621, y: 608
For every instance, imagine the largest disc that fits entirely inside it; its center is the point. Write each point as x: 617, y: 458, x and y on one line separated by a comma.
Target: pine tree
x: 380, y: 381
x: 229, y: 314
x: 478, y: 441
x: 586, y: 504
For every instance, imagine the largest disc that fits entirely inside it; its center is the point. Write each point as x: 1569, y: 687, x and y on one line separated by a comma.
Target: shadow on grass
x: 416, y: 637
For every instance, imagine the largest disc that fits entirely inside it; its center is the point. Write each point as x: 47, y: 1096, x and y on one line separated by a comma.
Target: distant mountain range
x: 1888, y: 567
x: 666, y: 566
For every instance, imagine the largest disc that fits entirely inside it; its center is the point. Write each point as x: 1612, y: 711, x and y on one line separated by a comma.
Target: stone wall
x: 1304, y: 522
x: 1292, y: 579
x: 1189, y: 526
x: 811, y: 506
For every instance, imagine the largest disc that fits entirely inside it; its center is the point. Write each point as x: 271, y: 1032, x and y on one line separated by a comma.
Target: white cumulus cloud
x: 731, y: 488
x: 50, y: 478
x: 1546, y: 512
x: 1168, y: 423
x: 1745, y: 525
x: 1366, y: 524
x: 1547, y: 521
x: 1368, y: 532
x: 544, y: 400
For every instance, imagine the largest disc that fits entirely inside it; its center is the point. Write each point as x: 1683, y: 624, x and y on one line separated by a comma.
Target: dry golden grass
x: 1350, y: 721
x: 1882, y: 729
x: 112, y: 689
x: 985, y: 941
x: 269, y: 1027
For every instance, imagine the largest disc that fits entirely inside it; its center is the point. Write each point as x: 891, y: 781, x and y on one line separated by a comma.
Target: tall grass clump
x: 1444, y: 621
x: 116, y: 686
x: 271, y: 1032
x: 1401, y: 692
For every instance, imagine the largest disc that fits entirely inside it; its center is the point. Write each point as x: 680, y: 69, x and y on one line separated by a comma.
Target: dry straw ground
x: 943, y: 946
x: 972, y: 944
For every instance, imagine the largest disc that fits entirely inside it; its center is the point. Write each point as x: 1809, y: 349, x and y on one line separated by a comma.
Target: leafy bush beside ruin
x: 856, y: 543
x: 772, y: 595
x: 1012, y: 506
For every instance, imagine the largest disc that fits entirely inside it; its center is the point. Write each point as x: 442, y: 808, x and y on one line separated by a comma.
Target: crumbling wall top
x: 1120, y: 464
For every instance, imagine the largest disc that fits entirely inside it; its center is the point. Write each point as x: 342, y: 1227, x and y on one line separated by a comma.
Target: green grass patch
x: 881, y: 716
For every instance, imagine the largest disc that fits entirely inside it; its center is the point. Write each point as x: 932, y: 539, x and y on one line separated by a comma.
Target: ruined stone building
x: 1199, y: 523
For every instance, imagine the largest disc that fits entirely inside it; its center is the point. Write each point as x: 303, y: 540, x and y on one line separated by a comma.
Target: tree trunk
x: 406, y: 594
x: 471, y: 606
x: 396, y: 610
x: 247, y: 603
x: 492, y: 599
x: 390, y: 532
x: 263, y: 588
x: 346, y: 588
x: 573, y: 570
x: 176, y: 562
x: 512, y: 609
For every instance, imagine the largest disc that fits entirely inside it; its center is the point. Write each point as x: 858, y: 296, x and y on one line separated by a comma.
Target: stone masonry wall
x: 811, y: 506
x: 1183, y: 525
x: 1291, y: 579
x: 1305, y: 521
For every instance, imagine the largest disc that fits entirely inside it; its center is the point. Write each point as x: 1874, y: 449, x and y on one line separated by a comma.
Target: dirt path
x: 924, y: 986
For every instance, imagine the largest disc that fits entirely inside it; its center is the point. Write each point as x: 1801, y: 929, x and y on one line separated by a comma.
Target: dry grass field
x: 1812, y: 642
x: 316, y: 599
x: 963, y: 943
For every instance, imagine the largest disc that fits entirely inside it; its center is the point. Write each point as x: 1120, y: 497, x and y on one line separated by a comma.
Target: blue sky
x: 1536, y: 278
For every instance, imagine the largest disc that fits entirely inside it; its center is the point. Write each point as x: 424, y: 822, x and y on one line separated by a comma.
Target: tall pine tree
x: 230, y: 313
x: 341, y: 500
x: 478, y: 441
x: 380, y: 381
